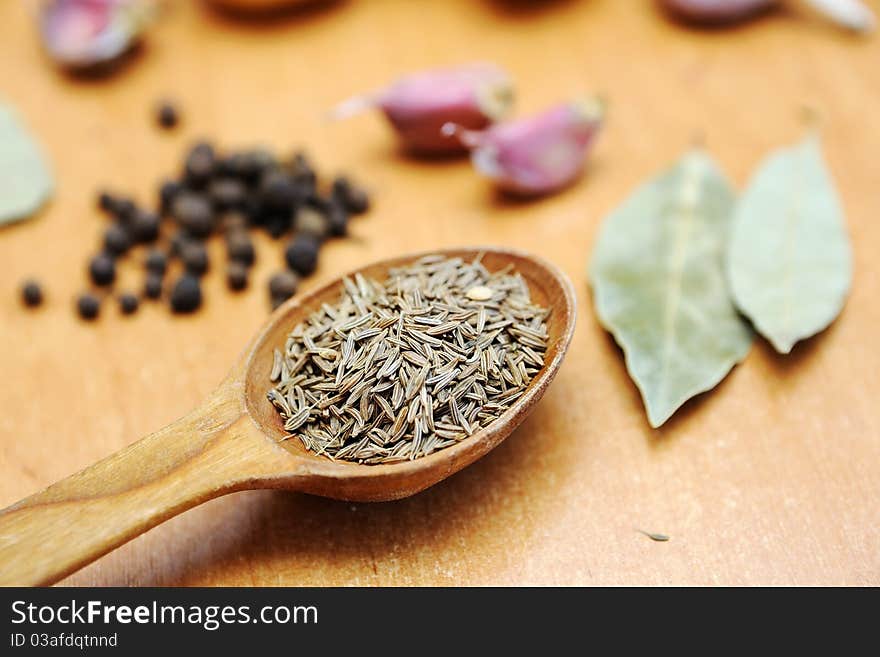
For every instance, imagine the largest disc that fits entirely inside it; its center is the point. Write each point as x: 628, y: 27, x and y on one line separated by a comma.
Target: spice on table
x: 153, y: 285
x: 31, y: 293
x: 186, y: 294
x: 88, y: 305
x: 282, y: 286
x: 240, y: 247
x: 396, y: 370
x: 352, y: 198
x: 157, y: 261
x: 102, y: 270
x: 236, y: 276
x: 302, y: 254
x: 116, y: 239
x: 128, y: 303
x: 195, y: 258
x: 659, y: 538
x: 311, y: 222
x: 193, y: 213
x: 418, y: 105
x: 145, y: 226
x: 167, y: 115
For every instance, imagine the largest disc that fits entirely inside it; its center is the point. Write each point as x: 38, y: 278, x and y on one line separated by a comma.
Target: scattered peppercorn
x: 156, y: 261
x: 116, y: 239
x: 302, y: 254
x: 353, y: 198
x: 195, y: 258
x: 88, y: 306
x: 186, y: 295
x: 128, y: 303
x: 240, y: 248
x: 282, y: 286
x: 237, y: 192
x: 236, y: 275
x: 102, y: 269
x: 337, y: 220
x: 153, y: 285
x: 124, y: 209
x: 311, y: 222
x: 168, y: 190
x: 167, y: 115
x: 194, y: 213
x: 145, y: 226
x: 199, y: 165
x: 31, y: 293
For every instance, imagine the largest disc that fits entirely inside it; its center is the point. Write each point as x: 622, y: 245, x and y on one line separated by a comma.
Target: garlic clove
x: 81, y: 34
x: 536, y: 155
x: 419, y: 105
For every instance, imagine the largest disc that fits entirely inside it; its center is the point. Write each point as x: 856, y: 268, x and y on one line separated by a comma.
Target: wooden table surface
x: 773, y: 478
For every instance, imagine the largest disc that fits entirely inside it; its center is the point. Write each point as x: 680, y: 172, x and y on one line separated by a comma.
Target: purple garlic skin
x: 716, y: 12
x: 536, y: 155
x: 82, y: 34
x: 419, y: 105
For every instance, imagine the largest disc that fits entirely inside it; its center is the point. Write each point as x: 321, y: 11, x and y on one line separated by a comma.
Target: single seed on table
x: 145, y: 226
x: 195, y: 258
x: 88, y: 306
x: 31, y: 294
x: 311, y: 222
x: 282, y: 286
x: 199, y: 164
x: 193, y: 213
x: 153, y: 285
x: 102, y: 270
x: 116, y: 239
x: 236, y: 276
x: 186, y: 295
x: 128, y: 303
x: 167, y: 115
x: 157, y: 261
x: 302, y: 254
x: 240, y: 247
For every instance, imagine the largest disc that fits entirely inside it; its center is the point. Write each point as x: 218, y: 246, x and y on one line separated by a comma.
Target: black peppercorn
x: 145, y: 226
x: 337, y: 220
x: 278, y: 190
x: 167, y: 115
x: 88, y: 306
x: 102, y: 269
x: 353, y: 198
x: 186, y: 295
x: 107, y: 202
x: 199, y: 165
x: 153, y: 285
x: 116, y: 240
x: 311, y: 222
x: 31, y: 293
x: 195, y: 258
x: 227, y: 193
x: 156, y: 261
x: 194, y: 214
x: 168, y: 190
x: 124, y: 210
x: 128, y: 303
x: 233, y: 222
x: 253, y: 164
x: 277, y: 225
x: 302, y: 254
x: 282, y: 286
x: 240, y: 248
x: 237, y: 276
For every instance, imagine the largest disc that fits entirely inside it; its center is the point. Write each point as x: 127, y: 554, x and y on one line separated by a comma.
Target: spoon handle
x: 212, y: 451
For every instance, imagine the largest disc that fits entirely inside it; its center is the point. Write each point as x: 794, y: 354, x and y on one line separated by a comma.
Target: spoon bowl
x: 236, y: 441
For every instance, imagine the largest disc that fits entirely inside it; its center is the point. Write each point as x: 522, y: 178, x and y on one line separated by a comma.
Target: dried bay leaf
x: 789, y: 260
x: 25, y: 181
x: 659, y: 287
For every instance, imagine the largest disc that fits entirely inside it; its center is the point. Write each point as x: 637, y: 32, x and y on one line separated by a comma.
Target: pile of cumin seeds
x: 399, y: 369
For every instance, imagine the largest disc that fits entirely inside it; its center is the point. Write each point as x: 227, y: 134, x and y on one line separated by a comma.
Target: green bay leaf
x: 25, y: 181
x: 657, y: 273
x: 789, y: 260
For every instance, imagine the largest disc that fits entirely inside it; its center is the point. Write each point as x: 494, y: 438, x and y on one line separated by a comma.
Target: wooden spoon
x: 232, y: 442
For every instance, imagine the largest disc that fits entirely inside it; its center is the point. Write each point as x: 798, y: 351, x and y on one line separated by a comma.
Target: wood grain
x: 773, y: 478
